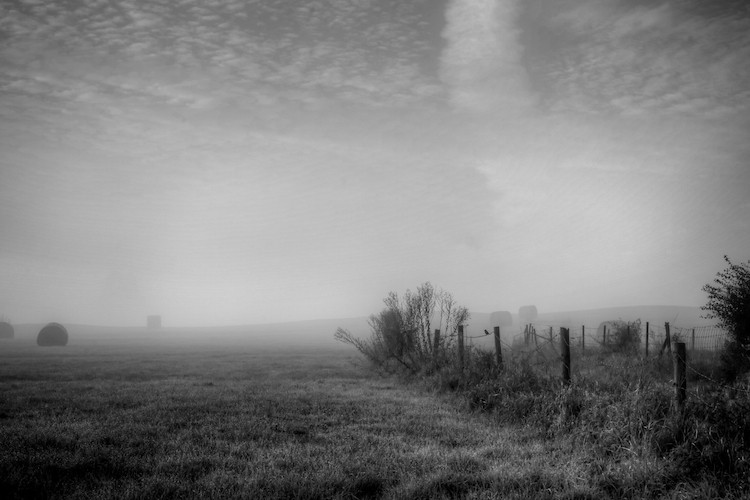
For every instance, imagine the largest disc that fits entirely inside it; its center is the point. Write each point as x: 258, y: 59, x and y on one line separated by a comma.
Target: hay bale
x: 527, y: 314
x: 6, y: 330
x: 52, y: 334
x: 501, y: 318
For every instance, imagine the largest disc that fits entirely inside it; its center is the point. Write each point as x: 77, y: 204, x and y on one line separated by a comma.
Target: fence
x: 537, y: 335
x: 701, y: 338
x: 544, y: 343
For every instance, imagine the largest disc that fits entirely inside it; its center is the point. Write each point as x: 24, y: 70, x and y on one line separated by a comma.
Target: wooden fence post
x: 646, y: 338
x: 461, y: 347
x: 680, y: 378
x: 669, y: 338
x: 565, y: 344
x: 604, y: 336
x: 583, y: 338
x: 667, y: 341
x: 498, y: 349
x: 536, y: 340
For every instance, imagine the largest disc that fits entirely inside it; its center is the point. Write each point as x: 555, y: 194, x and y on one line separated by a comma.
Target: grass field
x: 161, y: 417
x: 165, y: 420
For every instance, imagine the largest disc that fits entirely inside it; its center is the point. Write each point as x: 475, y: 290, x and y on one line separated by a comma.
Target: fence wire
x: 539, y: 343
x: 703, y: 338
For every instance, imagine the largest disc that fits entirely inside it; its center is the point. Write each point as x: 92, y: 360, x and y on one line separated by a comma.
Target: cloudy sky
x: 233, y: 161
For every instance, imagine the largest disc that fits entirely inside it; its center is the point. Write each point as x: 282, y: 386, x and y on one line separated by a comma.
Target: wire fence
x: 539, y: 343
x: 703, y: 338
x: 692, y: 353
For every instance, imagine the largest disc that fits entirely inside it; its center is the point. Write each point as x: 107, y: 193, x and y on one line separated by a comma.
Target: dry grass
x: 168, y: 419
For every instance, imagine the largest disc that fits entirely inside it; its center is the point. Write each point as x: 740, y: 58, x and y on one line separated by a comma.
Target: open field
x: 164, y: 420
x: 171, y: 415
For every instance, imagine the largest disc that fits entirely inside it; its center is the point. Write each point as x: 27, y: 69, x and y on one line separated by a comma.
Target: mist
x: 244, y: 164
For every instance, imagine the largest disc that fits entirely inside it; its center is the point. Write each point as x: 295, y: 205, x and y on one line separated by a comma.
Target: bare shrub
x: 402, y: 334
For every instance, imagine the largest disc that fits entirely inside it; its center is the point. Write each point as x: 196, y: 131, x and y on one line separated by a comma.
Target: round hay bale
x: 501, y: 318
x: 527, y: 314
x: 52, y: 334
x: 6, y: 330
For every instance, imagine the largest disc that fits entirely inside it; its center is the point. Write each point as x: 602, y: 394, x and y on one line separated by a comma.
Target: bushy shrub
x: 624, y: 336
x: 729, y: 303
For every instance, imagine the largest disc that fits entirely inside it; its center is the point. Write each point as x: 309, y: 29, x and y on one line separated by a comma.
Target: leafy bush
x: 729, y: 303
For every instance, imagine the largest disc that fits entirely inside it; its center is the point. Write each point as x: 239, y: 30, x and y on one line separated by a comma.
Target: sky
x: 225, y: 162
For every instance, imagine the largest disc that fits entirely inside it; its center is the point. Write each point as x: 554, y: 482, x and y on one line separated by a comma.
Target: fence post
x: 604, y: 336
x: 536, y: 340
x: 565, y: 344
x: 680, y: 378
x: 583, y: 338
x: 646, y: 338
x: 498, y: 349
x: 526, y: 334
x: 461, y: 347
x: 667, y: 341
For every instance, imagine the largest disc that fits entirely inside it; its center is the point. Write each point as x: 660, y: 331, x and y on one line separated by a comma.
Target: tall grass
x: 618, y: 412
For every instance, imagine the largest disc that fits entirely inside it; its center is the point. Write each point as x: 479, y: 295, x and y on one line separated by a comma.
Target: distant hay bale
x: 527, y: 314
x: 6, y: 330
x: 52, y: 334
x: 501, y: 318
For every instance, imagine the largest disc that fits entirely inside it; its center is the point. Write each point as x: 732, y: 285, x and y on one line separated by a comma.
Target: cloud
x: 666, y: 58
x: 200, y: 55
x: 481, y: 63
